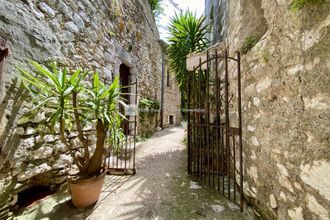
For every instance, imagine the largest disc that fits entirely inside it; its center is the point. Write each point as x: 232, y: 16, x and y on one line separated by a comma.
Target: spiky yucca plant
x: 71, y: 104
x: 187, y: 35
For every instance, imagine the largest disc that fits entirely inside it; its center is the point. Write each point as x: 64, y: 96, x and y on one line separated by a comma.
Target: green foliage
x: 249, y: 42
x: 266, y: 57
x: 73, y: 103
x: 296, y: 5
x: 187, y: 35
x: 156, y: 7
x: 184, y: 141
x: 149, y: 105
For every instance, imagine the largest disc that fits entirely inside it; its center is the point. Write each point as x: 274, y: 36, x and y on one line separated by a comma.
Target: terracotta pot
x: 85, y: 192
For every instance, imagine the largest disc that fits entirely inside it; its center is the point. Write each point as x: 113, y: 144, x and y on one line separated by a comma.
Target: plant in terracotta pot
x: 72, y: 104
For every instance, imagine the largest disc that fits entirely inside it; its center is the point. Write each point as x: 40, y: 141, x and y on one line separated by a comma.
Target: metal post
x: 217, y: 121
x: 200, y: 126
x: 135, y: 123
x: 208, y: 115
x: 189, y: 125
x: 227, y: 119
x: 240, y: 126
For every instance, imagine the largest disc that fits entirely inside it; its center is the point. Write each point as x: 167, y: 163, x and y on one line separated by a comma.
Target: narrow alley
x: 161, y: 189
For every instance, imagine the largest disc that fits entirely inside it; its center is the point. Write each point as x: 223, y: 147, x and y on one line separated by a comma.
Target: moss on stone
x: 296, y: 5
x: 249, y: 42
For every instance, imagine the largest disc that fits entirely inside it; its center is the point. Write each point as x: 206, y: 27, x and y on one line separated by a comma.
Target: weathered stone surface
x: 78, y: 21
x: 263, y: 84
x: 63, y: 162
x: 30, y: 131
x: 41, y: 153
x: 296, y: 213
x: 317, y: 176
x: 285, y: 78
x: 5, y: 182
x: 66, y: 36
x: 71, y: 27
x: 74, y: 33
x: 55, y: 25
x: 48, y: 10
x: 27, y: 174
x: 272, y: 201
x: 316, y: 208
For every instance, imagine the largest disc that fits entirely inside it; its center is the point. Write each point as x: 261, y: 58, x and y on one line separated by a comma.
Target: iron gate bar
x: 199, y: 86
x: 240, y: 125
x: 189, y: 129
x: 216, y: 116
x: 212, y: 146
x: 121, y: 157
x: 208, y: 115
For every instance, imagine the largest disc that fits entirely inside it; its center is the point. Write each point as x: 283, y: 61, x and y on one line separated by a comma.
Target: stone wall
x: 99, y: 35
x: 286, y: 106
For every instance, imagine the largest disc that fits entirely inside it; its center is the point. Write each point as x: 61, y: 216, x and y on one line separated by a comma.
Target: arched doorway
x: 124, y: 73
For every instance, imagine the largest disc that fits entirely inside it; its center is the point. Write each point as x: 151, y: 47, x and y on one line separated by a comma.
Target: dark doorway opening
x: 3, y: 53
x: 125, y: 90
x: 171, y: 120
x: 33, y: 194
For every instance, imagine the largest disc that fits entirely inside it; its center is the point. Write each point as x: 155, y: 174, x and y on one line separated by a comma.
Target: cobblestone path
x: 161, y: 189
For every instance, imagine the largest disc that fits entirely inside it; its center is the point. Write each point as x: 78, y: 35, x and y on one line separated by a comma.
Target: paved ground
x: 161, y: 189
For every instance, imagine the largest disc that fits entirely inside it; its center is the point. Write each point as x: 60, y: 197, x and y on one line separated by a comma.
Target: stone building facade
x: 172, y: 112
x: 106, y: 36
x: 286, y: 105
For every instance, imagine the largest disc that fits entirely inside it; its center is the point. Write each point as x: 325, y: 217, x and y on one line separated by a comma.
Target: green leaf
x: 96, y: 83
x: 74, y: 77
x: 47, y: 73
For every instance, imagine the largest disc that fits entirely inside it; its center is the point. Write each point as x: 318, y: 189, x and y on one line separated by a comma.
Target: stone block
x: 63, y: 161
x: 47, y: 9
x: 66, y: 36
x: 42, y: 153
x: 27, y: 174
x: 70, y: 26
x: 78, y: 21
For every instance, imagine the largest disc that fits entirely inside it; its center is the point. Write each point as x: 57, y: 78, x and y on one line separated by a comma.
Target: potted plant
x: 72, y: 103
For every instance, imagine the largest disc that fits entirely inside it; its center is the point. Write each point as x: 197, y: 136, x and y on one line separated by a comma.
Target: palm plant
x: 72, y: 103
x: 187, y: 35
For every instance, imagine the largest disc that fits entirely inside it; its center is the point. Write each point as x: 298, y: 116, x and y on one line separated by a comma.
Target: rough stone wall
x: 286, y: 106
x: 99, y: 35
x: 216, y: 12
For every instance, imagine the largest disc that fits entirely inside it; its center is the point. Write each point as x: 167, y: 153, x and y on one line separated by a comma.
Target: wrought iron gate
x: 215, y: 124
x: 120, y: 159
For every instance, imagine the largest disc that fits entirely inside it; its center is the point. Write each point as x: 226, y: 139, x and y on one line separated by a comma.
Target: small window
x: 171, y: 119
x: 168, y: 80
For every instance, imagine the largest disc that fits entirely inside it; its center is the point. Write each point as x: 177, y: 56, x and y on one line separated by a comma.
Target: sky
x: 169, y: 11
